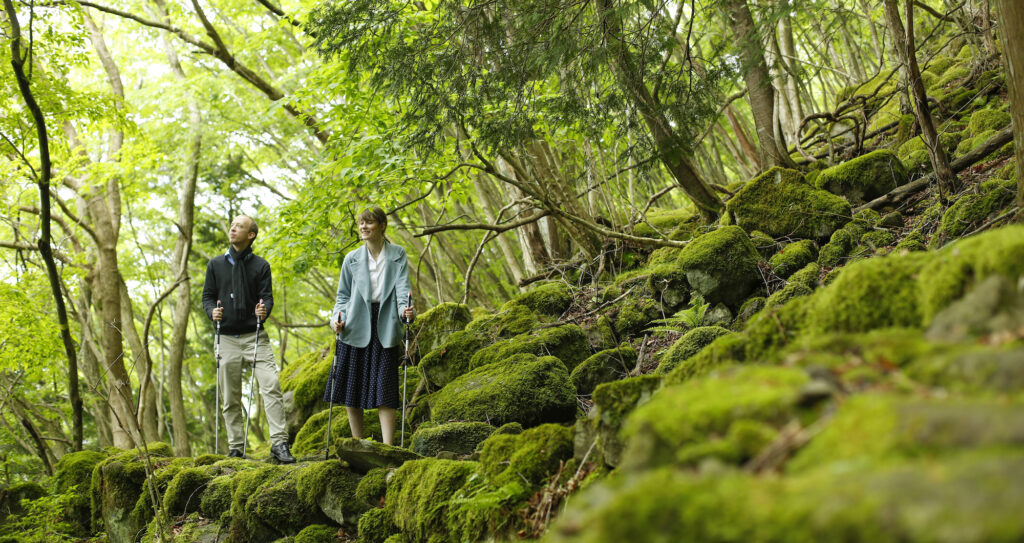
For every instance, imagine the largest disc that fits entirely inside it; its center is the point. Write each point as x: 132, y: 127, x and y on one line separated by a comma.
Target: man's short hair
x: 255, y: 228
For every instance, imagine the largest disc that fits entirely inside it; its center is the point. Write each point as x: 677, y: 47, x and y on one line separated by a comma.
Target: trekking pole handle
x: 407, y: 307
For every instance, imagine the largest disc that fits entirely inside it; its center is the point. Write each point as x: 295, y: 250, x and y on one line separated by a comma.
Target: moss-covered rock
x: 982, y: 371
x: 612, y: 403
x: 312, y: 438
x: 747, y: 310
x: 456, y: 437
x: 993, y: 307
x: 912, y: 500
x: 870, y: 294
x: 877, y: 240
x: 688, y: 345
x: 791, y: 290
x: 838, y: 246
x: 303, y: 383
x: 523, y: 388
x: 985, y: 120
x: 602, y: 367
x: 668, y: 283
x: 792, y: 257
x: 73, y: 476
x: 529, y: 458
x: 635, y: 314
x: 665, y: 222
x: 724, y: 350
x: 331, y: 487
x: 216, y: 499
x: 184, y: 493
x: 781, y: 203
x: 266, y: 505
x: 912, y: 242
x: 957, y: 267
x: 419, y: 495
x: 567, y: 343
x: 376, y: 526
x: 972, y: 210
x: 765, y: 244
x: 363, y: 455
x: 551, y: 298
x: 373, y: 486
x: 722, y: 266
x: 689, y: 414
x: 865, y: 177
x: 432, y: 328
x: 452, y: 359
x: 115, y: 490
x: 12, y: 496
x: 317, y: 533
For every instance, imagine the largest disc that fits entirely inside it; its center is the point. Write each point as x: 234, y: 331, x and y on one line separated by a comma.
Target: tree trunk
x: 1011, y: 32
x: 760, y: 91
x: 671, y: 151
x: 904, y: 43
x: 45, y: 170
x: 146, y: 412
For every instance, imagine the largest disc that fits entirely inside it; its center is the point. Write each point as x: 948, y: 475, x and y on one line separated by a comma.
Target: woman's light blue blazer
x: 353, y: 300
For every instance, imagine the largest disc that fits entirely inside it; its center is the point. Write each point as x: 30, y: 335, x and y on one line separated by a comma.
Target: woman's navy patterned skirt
x: 365, y: 378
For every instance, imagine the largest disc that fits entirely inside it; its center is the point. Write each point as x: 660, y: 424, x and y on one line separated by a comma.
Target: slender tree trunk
x: 45, y: 249
x: 760, y: 91
x: 869, y: 20
x: 146, y: 412
x: 904, y: 42
x: 788, y: 54
x: 1011, y: 32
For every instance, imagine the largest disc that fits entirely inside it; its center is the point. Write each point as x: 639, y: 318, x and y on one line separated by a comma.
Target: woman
x: 373, y: 291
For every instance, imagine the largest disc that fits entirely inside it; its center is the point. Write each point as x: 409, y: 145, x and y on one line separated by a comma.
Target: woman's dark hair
x: 375, y: 214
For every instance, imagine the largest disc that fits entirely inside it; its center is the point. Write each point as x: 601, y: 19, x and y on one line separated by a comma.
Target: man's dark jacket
x: 218, y: 287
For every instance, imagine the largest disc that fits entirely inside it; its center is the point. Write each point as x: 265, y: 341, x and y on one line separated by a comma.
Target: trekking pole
x: 330, y: 389
x: 405, y: 369
x: 252, y: 377
x: 216, y: 409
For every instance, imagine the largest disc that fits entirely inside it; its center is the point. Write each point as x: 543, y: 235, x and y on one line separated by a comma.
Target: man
x: 237, y: 291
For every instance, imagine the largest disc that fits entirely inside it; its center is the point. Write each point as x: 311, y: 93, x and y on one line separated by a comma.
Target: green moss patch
x: 523, y: 388
x: 722, y: 266
x: 305, y: 381
x: 432, y: 328
x: 567, y: 343
x: 972, y: 210
x: 688, y: 345
x: 551, y: 299
x: 330, y: 487
x: 792, y: 257
x: 376, y: 526
x: 419, y: 493
x: 456, y: 437
x: 865, y: 177
x: 612, y: 403
x: 781, y: 203
x: 529, y: 458
x: 602, y: 367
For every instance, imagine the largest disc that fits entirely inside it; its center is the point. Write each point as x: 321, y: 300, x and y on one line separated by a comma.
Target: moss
x: 115, y: 488
x: 453, y: 357
x: 958, y: 266
x: 660, y: 222
x: 839, y: 246
x: 165, y: 470
x: 688, y: 345
x: 939, y: 65
x: 600, y: 334
x: 773, y: 329
x: 974, y: 371
x: 744, y: 439
x: 792, y: 257
x: 698, y: 410
x: 530, y: 457
x: 317, y: 533
x: 244, y: 487
x: 748, y: 310
x: 764, y: 244
x: 724, y: 350
x: 787, y: 293
x: 567, y: 343
x: 456, y: 437
x: 722, y: 266
x: 373, y: 486
x: 273, y: 508
x: 780, y: 203
x: 375, y: 526
x: 612, y: 403
x: 635, y: 314
x: 893, y: 219
x: 602, y: 367
x: 870, y: 294
x: 551, y: 298
x: 419, y: 494
x: 75, y: 470
x: 985, y: 120
x: 183, y: 494
x: 864, y: 178
x: 972, y: 210
x: 523, y: 388
x: 668, y: 283
x: 954, y: 73
x: 912, y: 242
x: 305, y: 378
x: 312, y: 437
x: 329, y: 487
x: 878, y: 239
x: 216, y: 499
x: 807, y: 276
x: 432, y: 328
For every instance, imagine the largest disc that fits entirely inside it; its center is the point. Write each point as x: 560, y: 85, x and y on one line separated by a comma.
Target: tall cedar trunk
x: 182, y: 302
x: 1011, y: 32
x: 760, y: 91
x: 45, y: 168
x: 671, y: 151
x: 904, y: 43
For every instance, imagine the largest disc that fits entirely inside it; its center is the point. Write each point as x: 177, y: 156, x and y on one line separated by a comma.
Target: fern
x: 685, y: 319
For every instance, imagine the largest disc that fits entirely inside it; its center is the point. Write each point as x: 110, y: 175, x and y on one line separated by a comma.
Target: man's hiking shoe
x: 235, y: 453
x: 281, y: 453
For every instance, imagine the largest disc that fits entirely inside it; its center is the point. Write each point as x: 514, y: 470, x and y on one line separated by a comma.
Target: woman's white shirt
x: 376, y: 274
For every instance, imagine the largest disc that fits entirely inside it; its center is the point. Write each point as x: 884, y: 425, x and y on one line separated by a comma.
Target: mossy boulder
x: 317, y: 533
x: 865, y: 177
x: 635, y: 314
x: 265, y: 505
x: 456, y: 437
x: 551, y: 298
x: 529, y: 458
x: 567, y: 343
x: 792, y: 257
x: 747, y: 310
x: 331, y: 487
x: 602, y: 367
x: 838, y: 246
x: 184, y: 493
x: 373, y: 486
x: 722, y: 266
x: 612, y: 403
x: 877, y: 240
x: 72, y: 477
x: 912, y: 242
x: 432, y: 328
x: 363, y: 455
x: 376, y: 526
x: 994, y: 306
x: 972, y: 210
x: 453, y: 358
x: 664, y: 222
x: 312, y: 438
x: 688, y: 345
x: 781, y: 203
x: 216, y: 499
x: 522, y: 388
x: 115, y: 490
x: 984, y: 120
x: 766, y: 246
x: 981, y: 371
x: 419, y: 495
x: 722, y: 351
x: 680, y: 417
x: 968, y: 498
x: 12, y: 496
x: 303, y: 383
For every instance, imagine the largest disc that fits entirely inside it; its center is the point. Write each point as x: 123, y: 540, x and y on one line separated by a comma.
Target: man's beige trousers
x: 236, y: 353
